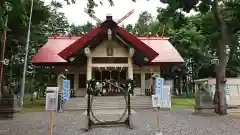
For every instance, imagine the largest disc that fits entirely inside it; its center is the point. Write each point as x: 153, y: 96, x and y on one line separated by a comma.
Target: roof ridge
x: 139, y: 37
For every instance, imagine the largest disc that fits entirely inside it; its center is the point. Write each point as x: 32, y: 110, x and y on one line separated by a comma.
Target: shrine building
x: 108, y: 52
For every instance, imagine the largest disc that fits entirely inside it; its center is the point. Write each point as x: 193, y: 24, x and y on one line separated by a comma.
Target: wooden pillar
x: 130, y: 63
x: 130, y: 68
x: 89, y: 65
x: 89, y: 68
x: 142, y: 83
x: 76, y: 81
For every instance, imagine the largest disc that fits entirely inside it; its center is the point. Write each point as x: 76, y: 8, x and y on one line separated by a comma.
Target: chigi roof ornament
x: 109, y: 16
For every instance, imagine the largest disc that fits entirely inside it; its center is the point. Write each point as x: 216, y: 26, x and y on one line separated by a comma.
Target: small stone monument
x: 203, y: 101
x: 7, y: 104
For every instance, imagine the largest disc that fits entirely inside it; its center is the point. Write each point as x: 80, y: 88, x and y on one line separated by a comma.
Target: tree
x: 41, y: 28
x: 226, y: 34
x: 5, y: 9
x: 142, y: 25
x: 81, y: 29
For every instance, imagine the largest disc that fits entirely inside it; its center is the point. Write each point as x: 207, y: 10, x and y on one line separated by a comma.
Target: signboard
x: 166, y: 98
x: 156, y: 101
x: 162, y: 98
x: 66, y: 90
x: 227, y: 91
x: 51, y: 101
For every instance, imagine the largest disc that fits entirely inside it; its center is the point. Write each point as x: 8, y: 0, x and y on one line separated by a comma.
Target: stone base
x: 204, y: 110
x: 131, y: 123
x: 6, y: 115
x: 7, y: 107
x: 86, y: 123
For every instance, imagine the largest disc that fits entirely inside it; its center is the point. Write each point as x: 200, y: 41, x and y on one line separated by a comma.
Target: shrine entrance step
x: 109, y: 102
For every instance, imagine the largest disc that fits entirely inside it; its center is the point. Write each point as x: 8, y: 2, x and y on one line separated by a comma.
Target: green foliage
x: 7, y: 7
x: 195, y: 37
x: 80, y: 30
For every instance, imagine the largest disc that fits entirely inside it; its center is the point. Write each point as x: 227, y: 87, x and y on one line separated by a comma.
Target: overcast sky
x: 75, y: 12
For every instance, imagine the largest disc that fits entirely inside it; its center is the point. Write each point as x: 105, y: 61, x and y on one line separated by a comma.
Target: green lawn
x: 177, y: 103
x: 36, y: 106
x: 182, y: 103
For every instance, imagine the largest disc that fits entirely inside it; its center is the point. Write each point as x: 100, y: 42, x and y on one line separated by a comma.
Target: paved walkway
x: 181, y: 122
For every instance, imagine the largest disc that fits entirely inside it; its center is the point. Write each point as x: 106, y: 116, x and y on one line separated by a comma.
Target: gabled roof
x: 141, y: 46
x: 78, y: 44
x: 49, y: 53
x: 101, y: 33
x: 167, y: 52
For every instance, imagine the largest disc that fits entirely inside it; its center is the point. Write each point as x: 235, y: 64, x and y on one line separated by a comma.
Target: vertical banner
x: 66, y: 90
x: 159, y: 90
x: 159, y: 85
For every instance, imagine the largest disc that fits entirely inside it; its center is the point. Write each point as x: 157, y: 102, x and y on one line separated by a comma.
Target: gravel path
x: 181, y: 122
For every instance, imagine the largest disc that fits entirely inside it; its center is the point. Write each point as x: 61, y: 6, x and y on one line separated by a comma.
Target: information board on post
x: 66, y: 90
x: 162, y: 97
x: 156, y: 99
x: 51, y: 99
x: 166, y: 98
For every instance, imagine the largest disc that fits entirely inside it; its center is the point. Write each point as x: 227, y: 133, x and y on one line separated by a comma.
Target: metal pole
x: 26, y: 57
x: 4, y: 37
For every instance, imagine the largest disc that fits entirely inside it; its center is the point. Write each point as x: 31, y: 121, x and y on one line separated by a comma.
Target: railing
x: 148, y: 92
x: 72, y: 93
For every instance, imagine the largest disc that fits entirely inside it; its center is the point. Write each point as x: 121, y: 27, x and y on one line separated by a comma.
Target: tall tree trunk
x: 179, y: 84
x: 221, y: 67
x: 10, y: 71
x: 175, y: 86
x: 2, y: 53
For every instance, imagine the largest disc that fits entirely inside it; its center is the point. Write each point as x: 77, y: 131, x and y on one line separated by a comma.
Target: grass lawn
x: 36, y: 106
x: 235, y: 114
x: 177, y: 103
x: 182, y: 103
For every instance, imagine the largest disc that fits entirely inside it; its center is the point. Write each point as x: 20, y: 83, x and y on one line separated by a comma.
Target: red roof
x: 109, y: 24
x: 166, y: 51
x: 50, y: 52
x: 78, y: 44
x: 140, y: 45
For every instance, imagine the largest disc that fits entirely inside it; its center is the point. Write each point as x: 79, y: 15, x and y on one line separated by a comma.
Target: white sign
x: 51, y: 101
x: 156, y: 101
x: 166, y: 98
x: 162, y: 100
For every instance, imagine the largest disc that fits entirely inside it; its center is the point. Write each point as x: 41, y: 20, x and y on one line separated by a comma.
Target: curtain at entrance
x: 123, y: 75
x: 97, y: 75
x: 114, y: 75
x: 105, y: 75
x: 71, y: 78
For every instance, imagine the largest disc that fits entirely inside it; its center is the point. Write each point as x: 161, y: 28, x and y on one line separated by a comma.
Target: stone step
x: 110, y: 108
x: 108, y: 105
x: 109, y: 102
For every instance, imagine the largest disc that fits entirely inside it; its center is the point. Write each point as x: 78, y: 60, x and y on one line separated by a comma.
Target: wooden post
x: 158, y: 123
x: 51, y: 123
